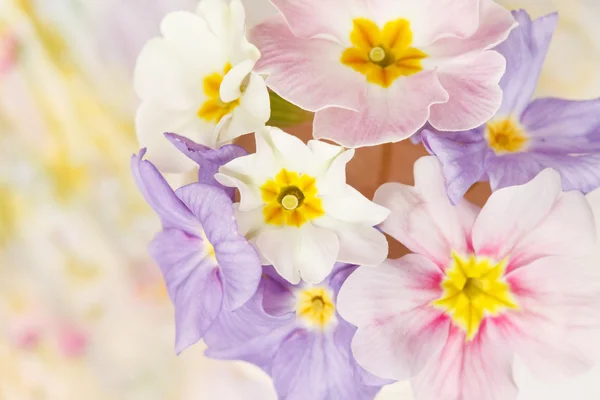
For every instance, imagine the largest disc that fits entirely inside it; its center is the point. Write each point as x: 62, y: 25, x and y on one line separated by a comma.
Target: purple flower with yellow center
x: 208, y: 267
x: 295, y: 334
x: 525, y: 136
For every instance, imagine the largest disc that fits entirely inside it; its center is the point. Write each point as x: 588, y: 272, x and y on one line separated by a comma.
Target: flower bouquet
x: 274, y: 258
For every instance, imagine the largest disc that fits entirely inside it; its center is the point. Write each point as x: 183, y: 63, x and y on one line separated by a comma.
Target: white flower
x: 297, y: 209
x: 196, y: 81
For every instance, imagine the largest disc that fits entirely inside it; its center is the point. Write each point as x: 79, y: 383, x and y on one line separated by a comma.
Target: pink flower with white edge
x: 375, y: 71
x: 518, y: 278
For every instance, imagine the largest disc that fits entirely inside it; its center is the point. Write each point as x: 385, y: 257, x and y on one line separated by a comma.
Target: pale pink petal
x: 454, y: 18
x: 513, y: 212
x: 385, y: 114
x: 556, y: 330
x: 422, y: 217
x: 398, y: 331
x: 332, y: 18
x: 475, y: 96
x: 568, y: 230
x: 306, y: 72
x: 477, y: 370
x: 495, y: 24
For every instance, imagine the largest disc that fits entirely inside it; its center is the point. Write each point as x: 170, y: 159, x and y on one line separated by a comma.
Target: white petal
x: 288, y: 151
x: 152, y: 121
x: 253, y: 112
x: 352, y: 206
x: 189, y: 35
x: 278, y: 246
x: 359, y: 244
x: 316, y: 254
x: 593, y: 199
x: 230, y: 89
x: 250, y: 197
x: 329, y: 166
x: 160, y: 77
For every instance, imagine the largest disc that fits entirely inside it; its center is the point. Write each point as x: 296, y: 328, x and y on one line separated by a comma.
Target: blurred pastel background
x: 83, y: 311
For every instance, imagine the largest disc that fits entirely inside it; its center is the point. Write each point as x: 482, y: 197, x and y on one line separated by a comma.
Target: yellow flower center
x: 315, y: 307
x: 506, y: 136
x: 474, y: 288
x: 214, y: 109
x: 291, y: 199
x: 383, y: 55
x: 209, y: 249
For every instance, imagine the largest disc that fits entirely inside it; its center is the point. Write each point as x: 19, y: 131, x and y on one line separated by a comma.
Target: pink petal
x: 513, y: 213
x: 475, y: 96
x: 555, y: 333
x: 422, y: 217
x: 568, y: 230
x: 495, y: 24
x: 476, y: 370
x: 308, y: 73
x: 398, y: 330
x: 309, y: 18
x: 385, y: 114
x: 428, y: 26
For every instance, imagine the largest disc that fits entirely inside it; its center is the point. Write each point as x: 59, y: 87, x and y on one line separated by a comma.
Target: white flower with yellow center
x: 197, y: 80
x: 297, y: 209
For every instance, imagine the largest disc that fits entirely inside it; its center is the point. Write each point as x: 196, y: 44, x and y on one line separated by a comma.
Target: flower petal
x: 513, y: 212
x: 477, y: 370
x: 559, y: 126
x: 249, y: 333
x: 495, y: 24
x: 359, y: 244
x: 252, y: 113
x: 556, y: 331
x: 398, y: 330
x: 237, y: 259
x: 310, y: 18
x: 352, y: 206
x: 192, y: 281
x: 422, y: 217
x: 278, y: 248
x: 475, y: 96
x: 159, y: 76
x: 316, y: 253
x: 525, y: 51
x: 190, y: 37
x: 462, y: 156
x: 230, y: 88
x: 159, y: 195
x: 428, y: 26
x: 209, y: 160
x: 385, y: 115
x: 311, y: 82
x: 152, y: 120
x: 309, y: 365
x: 568, y: 230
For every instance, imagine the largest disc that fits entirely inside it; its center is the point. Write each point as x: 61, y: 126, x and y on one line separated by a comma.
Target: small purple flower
x: 525, y: 136
x: 294, y: 333
x: 206, y: 264
x: 209, y: 160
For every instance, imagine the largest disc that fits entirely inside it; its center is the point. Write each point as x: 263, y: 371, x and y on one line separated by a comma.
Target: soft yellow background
x: 73, y: 229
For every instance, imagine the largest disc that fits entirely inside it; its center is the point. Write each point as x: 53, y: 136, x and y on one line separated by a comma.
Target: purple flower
x: 209, y: 160
x: 525, y: 136
x: 294, y: 333
x: 207, y: 265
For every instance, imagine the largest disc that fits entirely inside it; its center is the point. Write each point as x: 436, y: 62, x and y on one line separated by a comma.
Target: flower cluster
x: 272, y: 258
